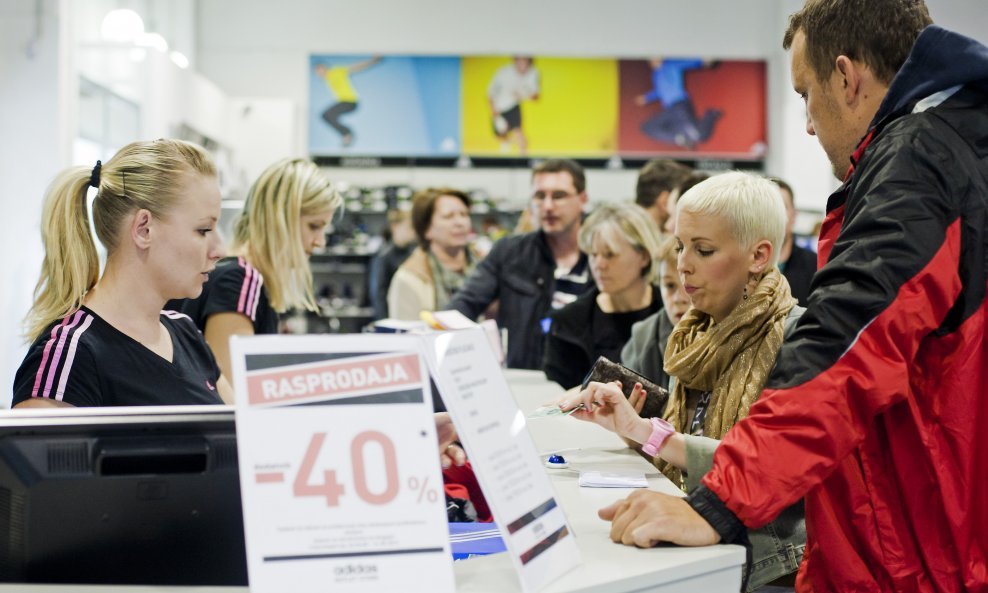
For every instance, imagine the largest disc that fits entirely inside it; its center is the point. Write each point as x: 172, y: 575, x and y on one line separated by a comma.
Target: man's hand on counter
x: 646, y: 518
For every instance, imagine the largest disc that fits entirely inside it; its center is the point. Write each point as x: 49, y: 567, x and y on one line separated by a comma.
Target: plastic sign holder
x: 508, y: 466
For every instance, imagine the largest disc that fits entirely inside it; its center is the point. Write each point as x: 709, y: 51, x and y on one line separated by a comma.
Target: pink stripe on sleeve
x: 175, y: 315
x: 257, y: 297
x: 44, y: 358
x: 253, y: 294
x: 70, y: 357
x: 56, y: 356
x: 245, y: 287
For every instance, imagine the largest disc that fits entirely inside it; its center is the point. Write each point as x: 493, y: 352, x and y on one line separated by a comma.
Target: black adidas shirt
x: 84, y: 361
x: 234, y: 286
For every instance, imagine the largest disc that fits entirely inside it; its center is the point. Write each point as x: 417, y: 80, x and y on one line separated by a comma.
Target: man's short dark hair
x: 563, y: 165
x: 657, y: 176
x: 784, y: 186
x: 879, y: 33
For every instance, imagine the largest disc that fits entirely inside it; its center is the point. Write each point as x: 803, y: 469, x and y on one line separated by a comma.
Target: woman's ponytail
x: 71, y: 264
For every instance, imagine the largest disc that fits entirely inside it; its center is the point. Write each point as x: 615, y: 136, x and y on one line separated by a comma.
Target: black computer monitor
x: 121, y: 496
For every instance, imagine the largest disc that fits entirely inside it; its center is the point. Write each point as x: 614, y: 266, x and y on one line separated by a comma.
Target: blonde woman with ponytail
x: 284, y: 219
x: 104, y: 340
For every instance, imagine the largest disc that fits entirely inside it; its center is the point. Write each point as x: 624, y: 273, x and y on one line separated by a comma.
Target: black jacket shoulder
x: 569, y: 344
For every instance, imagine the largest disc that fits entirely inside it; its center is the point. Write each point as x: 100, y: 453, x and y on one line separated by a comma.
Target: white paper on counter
x: 590, y: 479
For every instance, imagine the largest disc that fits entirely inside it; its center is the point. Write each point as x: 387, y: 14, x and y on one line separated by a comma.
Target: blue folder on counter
x: 474, y: 539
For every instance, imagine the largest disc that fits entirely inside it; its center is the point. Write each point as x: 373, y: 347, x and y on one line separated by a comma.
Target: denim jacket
x: 777, y: 548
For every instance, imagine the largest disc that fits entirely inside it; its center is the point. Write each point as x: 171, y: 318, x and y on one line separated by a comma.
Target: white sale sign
x: 492, y: 429
x: 339, y: 465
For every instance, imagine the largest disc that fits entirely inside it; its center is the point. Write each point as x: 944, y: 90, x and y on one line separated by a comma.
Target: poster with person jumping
x: 384, y: 106
x: 525, y: 106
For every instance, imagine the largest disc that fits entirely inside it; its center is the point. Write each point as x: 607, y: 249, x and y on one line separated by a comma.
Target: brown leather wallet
x: 606, y: 371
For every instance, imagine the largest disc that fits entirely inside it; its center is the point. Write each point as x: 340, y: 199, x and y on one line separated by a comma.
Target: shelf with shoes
x: 341, y: 270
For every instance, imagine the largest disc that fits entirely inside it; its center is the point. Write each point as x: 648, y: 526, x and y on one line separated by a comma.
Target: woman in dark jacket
x: 622, y: 242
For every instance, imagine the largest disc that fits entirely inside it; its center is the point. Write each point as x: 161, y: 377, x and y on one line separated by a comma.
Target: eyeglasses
x: 556, y: 196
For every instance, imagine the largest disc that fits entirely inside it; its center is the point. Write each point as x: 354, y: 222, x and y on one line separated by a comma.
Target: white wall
x: 167, y: 94
x: 34, y: 145
x: 969, y: 17
x: 266, y: 127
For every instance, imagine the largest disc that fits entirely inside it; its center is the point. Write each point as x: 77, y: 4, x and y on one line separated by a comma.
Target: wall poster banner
x: 692, y: 107
x: 539, y: 106
x: 514, y: 107
x: 384, y: 106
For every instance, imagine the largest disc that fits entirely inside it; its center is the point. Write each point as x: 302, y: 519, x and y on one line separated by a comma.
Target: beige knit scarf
x: 731, y: 359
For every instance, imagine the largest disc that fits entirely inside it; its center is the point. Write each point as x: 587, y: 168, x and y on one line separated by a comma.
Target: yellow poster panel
x: 539, y: 107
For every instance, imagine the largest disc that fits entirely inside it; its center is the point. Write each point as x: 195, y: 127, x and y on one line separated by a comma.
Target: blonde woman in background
x: 621, y: 242
x: 439, y: 266
x: 284, y: 219
x: 728, y: 232
x: 524, y: 223
x: 105, y: 340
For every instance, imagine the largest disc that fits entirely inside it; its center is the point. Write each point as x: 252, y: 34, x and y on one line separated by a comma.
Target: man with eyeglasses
x: 534, y: 273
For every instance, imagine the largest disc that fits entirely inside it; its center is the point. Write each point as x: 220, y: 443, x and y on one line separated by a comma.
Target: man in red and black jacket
x: 877, y: 410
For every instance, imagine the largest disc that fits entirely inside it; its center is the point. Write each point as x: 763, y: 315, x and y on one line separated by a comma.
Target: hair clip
x: 94, y: 176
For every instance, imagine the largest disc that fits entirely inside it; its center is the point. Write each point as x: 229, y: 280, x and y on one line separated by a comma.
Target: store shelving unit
x: 341, y: 272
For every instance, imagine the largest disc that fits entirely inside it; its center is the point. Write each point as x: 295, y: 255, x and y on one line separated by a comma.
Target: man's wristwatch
x: 661, y: 430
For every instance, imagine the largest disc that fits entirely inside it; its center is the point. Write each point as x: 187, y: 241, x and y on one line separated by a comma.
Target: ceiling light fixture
x: 122, y: 25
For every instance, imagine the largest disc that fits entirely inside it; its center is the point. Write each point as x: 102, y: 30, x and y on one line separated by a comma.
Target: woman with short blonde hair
x: 728, y: 231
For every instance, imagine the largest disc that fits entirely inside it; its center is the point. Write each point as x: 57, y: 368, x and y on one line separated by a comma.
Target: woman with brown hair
x: 439, y: 266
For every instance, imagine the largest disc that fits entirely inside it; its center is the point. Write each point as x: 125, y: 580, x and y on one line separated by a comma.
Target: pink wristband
x: 661, y: 430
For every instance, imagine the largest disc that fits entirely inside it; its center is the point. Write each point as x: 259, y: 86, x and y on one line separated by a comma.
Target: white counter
x: 607, y: 567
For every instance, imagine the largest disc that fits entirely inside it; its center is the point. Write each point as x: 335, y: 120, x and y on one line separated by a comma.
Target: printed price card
x: 508, y: 466
x: 339, y: 465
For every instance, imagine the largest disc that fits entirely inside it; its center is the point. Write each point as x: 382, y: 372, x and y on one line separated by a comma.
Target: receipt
x: 590, y: 479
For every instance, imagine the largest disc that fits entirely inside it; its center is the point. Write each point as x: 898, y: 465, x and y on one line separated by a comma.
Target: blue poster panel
x: 384, y: 106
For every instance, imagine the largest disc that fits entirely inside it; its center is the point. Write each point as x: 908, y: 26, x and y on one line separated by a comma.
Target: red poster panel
x: 692, y: 108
